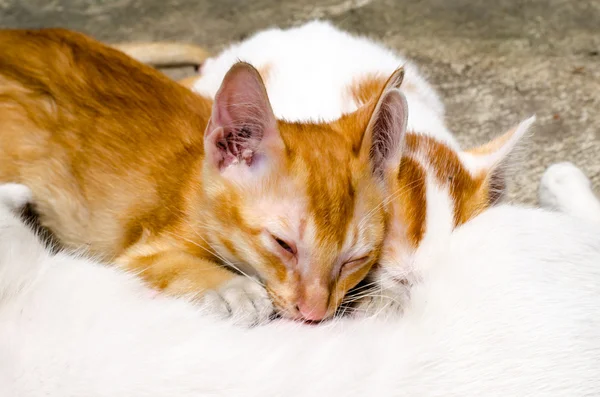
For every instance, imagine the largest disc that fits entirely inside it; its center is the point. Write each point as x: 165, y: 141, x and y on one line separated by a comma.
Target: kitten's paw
x: 382, y: 303
x: 565, y: 188
x: 241, y: 299
x: 14, y: 196
x: 559, y: 183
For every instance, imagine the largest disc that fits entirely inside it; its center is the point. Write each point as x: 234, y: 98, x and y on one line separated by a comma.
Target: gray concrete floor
x: 494, y: 62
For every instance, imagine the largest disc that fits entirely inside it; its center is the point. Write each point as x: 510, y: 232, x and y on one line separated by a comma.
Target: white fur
x: 243, y: 299
x: 565, y: 188
x: 311, y: 67
x: 508, y: 305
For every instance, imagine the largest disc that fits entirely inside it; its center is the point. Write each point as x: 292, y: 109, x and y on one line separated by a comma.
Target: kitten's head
x: 435, y: 190
x: 298, y: 204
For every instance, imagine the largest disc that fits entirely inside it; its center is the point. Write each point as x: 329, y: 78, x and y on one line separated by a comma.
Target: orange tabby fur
x: 428, y: 163
x: 114, y: 154
x: 471, y: 191
x: 471, y: 194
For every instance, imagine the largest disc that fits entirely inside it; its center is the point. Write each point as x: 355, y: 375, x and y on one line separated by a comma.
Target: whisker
x: 215, y: 253
x: 387, y: 200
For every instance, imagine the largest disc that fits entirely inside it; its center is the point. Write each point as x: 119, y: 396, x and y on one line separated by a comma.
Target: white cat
x: 508, y: 305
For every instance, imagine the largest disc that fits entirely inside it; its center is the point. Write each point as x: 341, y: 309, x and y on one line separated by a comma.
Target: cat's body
x: 69, y: 124
x: 508, y: 305
x: 129, y: 165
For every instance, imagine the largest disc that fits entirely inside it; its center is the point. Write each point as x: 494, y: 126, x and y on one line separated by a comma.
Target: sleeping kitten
x: 132, y: 166
x: 508, y: 305
x: 318, y: 72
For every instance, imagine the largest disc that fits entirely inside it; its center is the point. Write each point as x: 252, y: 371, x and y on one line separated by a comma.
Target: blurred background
x: 494, y: 62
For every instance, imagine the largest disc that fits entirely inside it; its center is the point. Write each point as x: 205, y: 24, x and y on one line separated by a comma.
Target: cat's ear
x: 384, y: 136
x: 493, y: 159
x: 395, y: 80
x: 242, y: 129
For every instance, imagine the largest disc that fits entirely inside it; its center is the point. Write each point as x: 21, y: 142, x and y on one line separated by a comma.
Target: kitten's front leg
x: 380, y: 297
x: 243, y: 299
x: 217, y: 291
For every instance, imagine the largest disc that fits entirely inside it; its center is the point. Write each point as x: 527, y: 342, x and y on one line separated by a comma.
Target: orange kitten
x: 131, y: 165
x: 436, y: 186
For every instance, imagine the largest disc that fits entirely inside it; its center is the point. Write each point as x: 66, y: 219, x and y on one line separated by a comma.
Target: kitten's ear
x: 492, y: 159
x: 242, y: 126
x: 384, y: 136
x: 395, y: 80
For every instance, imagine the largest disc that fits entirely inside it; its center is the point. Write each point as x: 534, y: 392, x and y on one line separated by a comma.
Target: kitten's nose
x: 313, y: 299
x: 313, y: 302
x: 311, y: 312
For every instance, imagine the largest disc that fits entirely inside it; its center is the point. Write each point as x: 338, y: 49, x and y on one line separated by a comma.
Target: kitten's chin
x: 291, y: 316
x: 282, y: 322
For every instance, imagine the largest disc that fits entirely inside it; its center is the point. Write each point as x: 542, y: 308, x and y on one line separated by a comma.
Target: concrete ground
x: 494, y: 63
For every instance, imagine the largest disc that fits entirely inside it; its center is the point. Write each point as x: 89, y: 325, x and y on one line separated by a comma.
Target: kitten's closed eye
x: 284, y: 246
x: 353, y: 265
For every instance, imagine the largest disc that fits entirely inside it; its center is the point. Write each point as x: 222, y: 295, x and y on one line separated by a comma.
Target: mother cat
x: 508, y: 305
x: 132, y: 166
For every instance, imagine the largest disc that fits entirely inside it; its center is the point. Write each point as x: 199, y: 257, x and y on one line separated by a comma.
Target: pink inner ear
x: 395, y: 80
x: 218, y: 148
x: 387, y: 129
x: 241, y: 120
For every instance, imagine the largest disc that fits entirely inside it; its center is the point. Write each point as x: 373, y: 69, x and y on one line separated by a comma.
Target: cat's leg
x: 244, y: 299
x: 21, y: 252
x: 220, y: 292
x: 13, y: 197
x: 565, y: 188
x: 379, y: 296
x: 217, y: 290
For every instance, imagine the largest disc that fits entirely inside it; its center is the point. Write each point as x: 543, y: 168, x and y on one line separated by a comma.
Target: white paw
x: 560, y: 183
x: 241, y: 299
x: 383, y: 302
x: 14, y: 196
x: 565, y: 188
